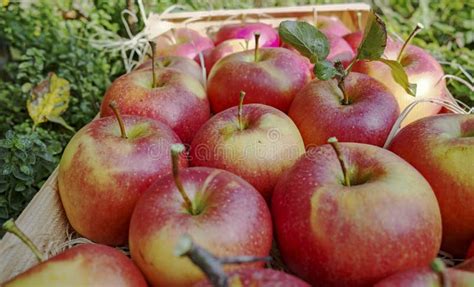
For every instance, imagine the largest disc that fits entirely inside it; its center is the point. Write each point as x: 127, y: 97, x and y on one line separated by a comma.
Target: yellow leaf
x: 48, y: 100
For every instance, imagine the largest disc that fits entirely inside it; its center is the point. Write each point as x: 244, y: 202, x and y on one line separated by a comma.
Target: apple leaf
x: 305, y: 38
x: 374, y: 41
x: 400, y: 76
x: 325, y: 70
x: 48, y: 100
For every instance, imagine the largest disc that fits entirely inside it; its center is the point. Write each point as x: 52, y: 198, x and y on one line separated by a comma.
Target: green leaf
x: 374, y: 41
x: 400, y: 76
x: 305, y: 38
x: 324, y: 70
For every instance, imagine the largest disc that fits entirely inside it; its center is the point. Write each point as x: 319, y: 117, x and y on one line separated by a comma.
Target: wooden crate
x: 44, y: 220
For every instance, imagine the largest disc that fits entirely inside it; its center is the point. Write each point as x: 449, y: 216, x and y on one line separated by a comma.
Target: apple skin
x: 331, y: 25
x: 101, y: 175
x: 319, y: 114
x: 182, y: 64
x: 82, y: 265
x: 421, y: 68
x: 274, y: 80
x: 340, y: 50
x: 269, y: 145
x: 183, y: 42
x: 444, y: 155
x: 470, y: 251
x: 260, y: 278
x: 268, y: 36
x: 423, y: 277
x: 330, y: 234
x: 354, y: 39
x: 235, y: 220
x: 212, y: 55
x: 179, y: 100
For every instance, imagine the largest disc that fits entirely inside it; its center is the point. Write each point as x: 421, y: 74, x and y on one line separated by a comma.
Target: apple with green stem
x: 436, y: 275
x: 83, y: 265
x: 167, y: 95
x: 182, y: 64
x: 246, y: 31
x: 270, y: 76
x: 421, y: 69
x: 218, y: 209
x: 212, y: 266
x: 254, y: 141
x: 350, y: 214
x: 441, y: 148
x: 183, y: 42
x: 104, y: 169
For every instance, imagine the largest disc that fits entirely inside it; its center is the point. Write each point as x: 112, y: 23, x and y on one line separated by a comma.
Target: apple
x: 339, y: 50
x: 176, y: 99
x: 421, y: 68
x: 182, y: 64
x: 421, y: 277
x: 182, y: 42
x: 470, y: 251
x: 331, y: 26
x: 354, y: 39
x: 212, y: 55
x: 219, y: 210
x: 350, y: 214
x: 102, y: 173
x: 270, y: 76
x: 320, y: 111
x: 441, y: 148
x: 254, y: 141
x: 246, y: 31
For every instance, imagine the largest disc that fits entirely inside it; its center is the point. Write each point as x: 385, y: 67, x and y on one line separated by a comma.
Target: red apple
x: 212, y: 55
x: 101, y: 174
x: 177, y: 99
x: 339, y: 50
x: 259, y: 150
x: 182, y: 64
x: 351, y: 214
x: 219, y: 210
x: 319, y: 111
x: 182, y: 42
x: 354, y: 39
x: 272, y: 79
x: 82, y: 265
x: 268, y: 36
x: 470, y: 251
x: 331, y: 25
x: 421, y: 68
x: 441, y: 148
x: 260, y: 278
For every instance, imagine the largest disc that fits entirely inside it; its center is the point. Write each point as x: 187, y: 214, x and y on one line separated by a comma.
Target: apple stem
x: 11, y: 227
x: 439, y: 268
x: 176, y: 150
x: 335, y: 145
x: 153, y: 47
x: 418, y: 27
x: 340, y: 84
x: 210, y: 264
x: 257, y: 37
x: 114, y: 108
x: 240, y: 110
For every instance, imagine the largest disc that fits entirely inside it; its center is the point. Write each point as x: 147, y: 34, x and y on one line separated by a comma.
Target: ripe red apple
x: 219, y: 210
x: 351, y: 214
x: 441, y: 148
x: 421, y: 68
x: 258, y: 145
x: 272, y: 78
x: 339, y: 50
x: 268, y: 36
x: 182, y: 64
x: 320, y: 112
x: 177, y: 99
x: 470, y: 251
x: 331, y: 26
x: 82, y: 265
x: 354, y: 39
x: 212, y: 55
x: 260, y: 278
x: 182, y: 42
x: 101, y: 174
